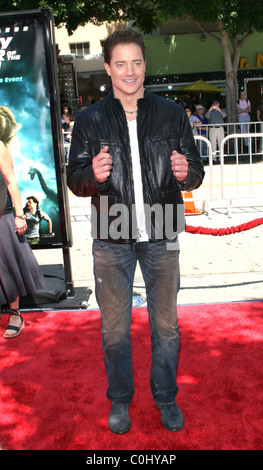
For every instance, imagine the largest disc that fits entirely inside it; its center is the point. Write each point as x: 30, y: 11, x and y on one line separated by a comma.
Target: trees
x: 74, y: 13
x: 236, y: 21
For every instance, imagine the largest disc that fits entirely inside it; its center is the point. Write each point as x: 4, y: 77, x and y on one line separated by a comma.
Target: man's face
x: 31, y: 204
x: 127, y: 71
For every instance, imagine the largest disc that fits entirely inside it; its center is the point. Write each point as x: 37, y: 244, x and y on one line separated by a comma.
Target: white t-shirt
x: 243, y: 104
x: 137, y: 180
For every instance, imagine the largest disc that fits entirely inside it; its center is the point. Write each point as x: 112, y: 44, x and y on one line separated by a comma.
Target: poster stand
x: 68, y: 271
x: 29, y: 88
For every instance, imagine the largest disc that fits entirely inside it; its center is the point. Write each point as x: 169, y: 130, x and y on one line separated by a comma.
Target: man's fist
x: 102, y: 165
x: 179, y: 165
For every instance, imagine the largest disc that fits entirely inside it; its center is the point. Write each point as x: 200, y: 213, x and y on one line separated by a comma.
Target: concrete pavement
x: 213, y: 268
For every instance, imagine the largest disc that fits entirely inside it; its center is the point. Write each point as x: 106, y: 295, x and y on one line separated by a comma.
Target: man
x: 216, y: 117
x: 260, y: 119
x: 133, y: 151
x: 243, y: 114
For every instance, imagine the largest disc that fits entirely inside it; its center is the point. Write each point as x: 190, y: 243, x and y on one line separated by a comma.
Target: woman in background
x: 243, y: 115
x: 19, y: 271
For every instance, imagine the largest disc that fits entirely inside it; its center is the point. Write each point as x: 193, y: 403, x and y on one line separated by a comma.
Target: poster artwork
x: 25, y: 104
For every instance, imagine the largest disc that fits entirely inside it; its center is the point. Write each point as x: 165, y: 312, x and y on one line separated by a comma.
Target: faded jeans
x: 244, y: 127
x: 114, y: 269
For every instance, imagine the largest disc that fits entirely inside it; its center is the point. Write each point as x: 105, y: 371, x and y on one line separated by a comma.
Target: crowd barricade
x: 231, y: 146
x: 249, y: 183
x: 207, y: 201
x: 254, y: 128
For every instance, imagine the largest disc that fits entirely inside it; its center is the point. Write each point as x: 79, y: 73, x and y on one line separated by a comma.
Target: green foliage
x: 235, y: 16
x: 72, y: 13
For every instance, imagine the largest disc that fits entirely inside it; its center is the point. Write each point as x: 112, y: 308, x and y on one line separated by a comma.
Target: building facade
x: 177, y: 55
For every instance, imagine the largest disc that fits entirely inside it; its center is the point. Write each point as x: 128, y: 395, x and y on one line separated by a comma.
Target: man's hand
x: 179, y: 166
x: 102, y: 165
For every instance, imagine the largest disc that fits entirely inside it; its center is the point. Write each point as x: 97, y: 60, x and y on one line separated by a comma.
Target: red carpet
x: 53, y: 384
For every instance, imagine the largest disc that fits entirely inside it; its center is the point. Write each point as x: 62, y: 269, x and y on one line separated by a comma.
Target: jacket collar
x: 140, y: 101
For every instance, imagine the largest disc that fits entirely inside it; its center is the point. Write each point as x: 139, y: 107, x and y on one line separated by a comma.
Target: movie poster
x: 25, y: 99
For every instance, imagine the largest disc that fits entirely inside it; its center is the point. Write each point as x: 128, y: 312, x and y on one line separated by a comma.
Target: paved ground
x: 213, y: 268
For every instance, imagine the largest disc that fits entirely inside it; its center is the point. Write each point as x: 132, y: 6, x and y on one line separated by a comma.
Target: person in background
x: 66, y: 122
x: 19, y: 271
x: 194, y: 103
x: 202, y: 130
x: 194, y: 121
x: 67, y: 125
x: 135, y: 150
x: 243, y: 115
x: 180, y: 102
x: 215, y: 115
x: 260, y: 120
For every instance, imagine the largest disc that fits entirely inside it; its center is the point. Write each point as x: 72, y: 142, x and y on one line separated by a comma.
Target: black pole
x: 68, y: 271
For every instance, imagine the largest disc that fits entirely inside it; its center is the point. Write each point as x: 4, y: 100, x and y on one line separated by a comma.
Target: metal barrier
x: 252, y: 139
x: 209, y: 155
x: 232, y: 141
x: 254, y: 128
x: 210, y: 200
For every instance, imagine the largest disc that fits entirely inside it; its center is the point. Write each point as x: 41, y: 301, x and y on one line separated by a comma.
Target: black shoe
x: 16, y: 329
x: 119, y: 420
x: 171, y: 416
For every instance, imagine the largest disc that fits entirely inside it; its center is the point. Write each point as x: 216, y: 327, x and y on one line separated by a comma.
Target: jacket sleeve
x: 188, y: 148
x: 80, y: 176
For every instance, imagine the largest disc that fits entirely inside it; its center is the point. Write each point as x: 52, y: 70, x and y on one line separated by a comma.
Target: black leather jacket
x: 162, y: 127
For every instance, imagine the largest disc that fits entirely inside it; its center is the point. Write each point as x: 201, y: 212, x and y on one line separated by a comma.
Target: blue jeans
x: 244, y: 127
x: 114, y: 269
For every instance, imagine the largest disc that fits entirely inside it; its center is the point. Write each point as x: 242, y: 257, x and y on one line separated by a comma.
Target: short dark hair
x: 34, y: 198
x: 127, y: 36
